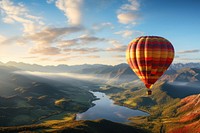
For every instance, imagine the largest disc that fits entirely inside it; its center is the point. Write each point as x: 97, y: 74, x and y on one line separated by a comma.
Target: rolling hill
x: 26, y: 99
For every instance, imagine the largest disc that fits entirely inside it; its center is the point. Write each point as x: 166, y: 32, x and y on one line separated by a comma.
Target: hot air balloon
x: 149, y: 57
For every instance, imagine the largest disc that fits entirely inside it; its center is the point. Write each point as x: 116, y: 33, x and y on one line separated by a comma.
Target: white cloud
x: 189, y: 51
x: 67, y: 43
x: 45, y: 37
x: 71, y: 8
x: 115, y: 43
x: 133, y: 6
x: 50, y: 1
x: 127, y: 12
x: 125, y: 33
x: 12, y: 13
x: 129, y: 33
x: 83, y: 50
x: 127, y: 18
x: 12, y: 40
x: 117, y: 46
x: 102, y: 26
x: 180, y: 59
x: 121, y: 48
x: 2, y: 38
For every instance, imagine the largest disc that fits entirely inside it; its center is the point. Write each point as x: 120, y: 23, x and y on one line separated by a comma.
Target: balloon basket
x: 149, y: 92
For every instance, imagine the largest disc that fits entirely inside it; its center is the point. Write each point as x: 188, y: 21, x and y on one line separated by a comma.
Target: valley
x: 50, y: 101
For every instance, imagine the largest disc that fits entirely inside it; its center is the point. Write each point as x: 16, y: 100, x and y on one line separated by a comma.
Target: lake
x: 106, y: 109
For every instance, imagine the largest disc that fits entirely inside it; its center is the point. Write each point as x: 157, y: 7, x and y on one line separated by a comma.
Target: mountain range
x: 107, y: 73
x: 84, y: 68
x: 173, y: 106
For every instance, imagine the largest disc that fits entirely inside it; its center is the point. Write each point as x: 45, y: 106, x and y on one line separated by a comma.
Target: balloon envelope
x: 149, y: 57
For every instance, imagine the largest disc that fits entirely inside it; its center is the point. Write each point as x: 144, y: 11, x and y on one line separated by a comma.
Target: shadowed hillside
x: 96, y: 126
x: 100, y: 126
x: 26, y: 99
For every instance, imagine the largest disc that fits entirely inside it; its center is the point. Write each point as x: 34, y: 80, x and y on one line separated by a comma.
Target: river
x: 105, y: 108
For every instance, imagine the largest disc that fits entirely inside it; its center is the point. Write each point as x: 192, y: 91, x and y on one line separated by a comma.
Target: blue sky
x: 52, y: 32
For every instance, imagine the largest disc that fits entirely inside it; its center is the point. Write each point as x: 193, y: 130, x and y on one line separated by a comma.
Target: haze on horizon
x: 52, y: 32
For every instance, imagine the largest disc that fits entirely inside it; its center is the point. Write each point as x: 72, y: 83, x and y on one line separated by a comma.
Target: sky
x: 72, y: 32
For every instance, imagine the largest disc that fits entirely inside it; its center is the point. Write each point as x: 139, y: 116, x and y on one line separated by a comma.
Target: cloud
x: 11, y: 40
x: 102, y: 26
x: 119, y: 56
x: 133, y: 6
x: 12, y: 13
x: 29, y: 57
x: 127, y: 18
x: 45, y: 37
x: 67, y: 43
x: 129, y: 33
x: 82, y: 40
x: 177, y: 56
x: 93, y: 56
x: 88, y: 39
x: 50, y: 35
x: 45, y: 50
x: 44, y: 59
x: 67, y: 57
x: 71, y: 8
x: 115, y: 43
x: 121, y: 48
x: 50, y: 1
x: 2, y: 38
x: 127, y: 12
x: 189, y: 59
x: 117, y: 46
x: 17, y: 40
x: 83, y: 50
x: 125, y: 33
x: 189, y: 51
x: 62, y: 59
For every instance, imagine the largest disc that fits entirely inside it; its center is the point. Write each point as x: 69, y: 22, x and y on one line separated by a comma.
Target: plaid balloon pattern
x: 149, y: 57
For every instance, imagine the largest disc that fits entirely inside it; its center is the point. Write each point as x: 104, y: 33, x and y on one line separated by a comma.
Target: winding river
x: 106, y: 109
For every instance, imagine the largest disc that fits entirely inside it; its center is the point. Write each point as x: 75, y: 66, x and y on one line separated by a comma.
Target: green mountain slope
x: 171, y: 106
x: 25, y: 99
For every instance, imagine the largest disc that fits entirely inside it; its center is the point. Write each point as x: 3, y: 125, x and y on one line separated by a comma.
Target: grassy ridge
x: 162, y: 105
x: 68, y: 125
